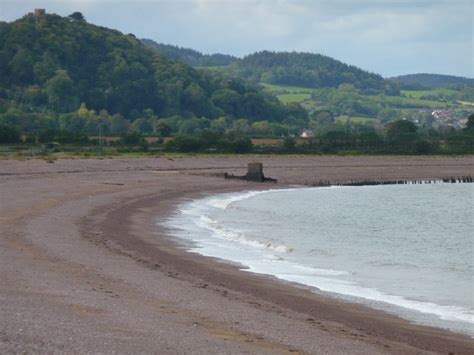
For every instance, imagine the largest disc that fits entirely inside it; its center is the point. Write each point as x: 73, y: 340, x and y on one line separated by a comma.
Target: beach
x: 86, y: 267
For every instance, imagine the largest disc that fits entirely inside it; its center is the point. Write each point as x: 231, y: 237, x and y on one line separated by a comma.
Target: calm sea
x: 407, y: 249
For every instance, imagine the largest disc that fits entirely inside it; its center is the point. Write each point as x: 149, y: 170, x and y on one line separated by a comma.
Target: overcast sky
x: 389, y: 37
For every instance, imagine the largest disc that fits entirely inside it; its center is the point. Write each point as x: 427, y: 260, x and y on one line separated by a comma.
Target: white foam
x: 235, y: 236
x: 259, y: 257
x: 343, y: 287
x: 224, y: 200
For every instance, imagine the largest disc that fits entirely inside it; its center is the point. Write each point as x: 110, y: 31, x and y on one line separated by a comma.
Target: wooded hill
x: 190, y: 56
x: 304, y: 69
x: 281, y: 68
x: 433, y: 81
x: 53, y: 63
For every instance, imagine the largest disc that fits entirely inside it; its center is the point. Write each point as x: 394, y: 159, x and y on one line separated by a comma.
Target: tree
x: 162, y: 128
x: 45, y: 68
x: 133, y: 138
x: 402, y: 134
x: 401, y: 127
x: 261, y: 128
x: 193, y: 125
x: 323, y: 117
x: 9, y: 134
x: 219, y: 125
x: 470, y: 123
x: 142, y: 125
x: 185, y: 143
x: 241, y: 125
x: 119, y: 125
x: 289, y: 143
x: 61, y: 92
x: 21, y: 65
x: 77, y: 16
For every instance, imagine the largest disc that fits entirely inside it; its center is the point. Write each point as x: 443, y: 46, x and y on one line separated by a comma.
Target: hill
x: 281, y: 68
x: 53, y: 65
x: 433, y: 81
x: 190, y: 56
x: 305, y: 70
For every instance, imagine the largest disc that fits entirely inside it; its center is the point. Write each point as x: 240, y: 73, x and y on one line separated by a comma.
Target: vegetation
x: 347, y: 101
x: 66, y: 84
x: 291, y: 98
x: 432, y: 81
x: 190, y: 56
x: 303, y: 69
x: 399, y: 137
x: 61, y: 72
x: 9, y: 134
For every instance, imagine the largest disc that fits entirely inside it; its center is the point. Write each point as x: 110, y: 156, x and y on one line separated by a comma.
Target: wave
x: 348, y: 288
x: 231, y: 235
x: 266, y: 257
x: 223, y: 201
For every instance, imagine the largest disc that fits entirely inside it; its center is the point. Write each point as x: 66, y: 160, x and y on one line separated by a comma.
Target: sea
x: 405, y: 249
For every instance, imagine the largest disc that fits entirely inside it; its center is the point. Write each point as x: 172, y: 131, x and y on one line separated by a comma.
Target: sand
x: 84, y: 267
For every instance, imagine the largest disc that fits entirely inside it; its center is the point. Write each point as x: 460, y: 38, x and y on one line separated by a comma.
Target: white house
x: 307, y: 133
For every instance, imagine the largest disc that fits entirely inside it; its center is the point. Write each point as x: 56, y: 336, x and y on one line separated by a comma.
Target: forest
x: 65, y: 80
x: 190, y: 56
x: 432, y: 81
x: 284, y: 68
x: 66, y: 73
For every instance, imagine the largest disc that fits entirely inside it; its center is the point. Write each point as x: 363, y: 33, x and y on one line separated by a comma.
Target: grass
x: 290, y: 98
x: 288, y: 89
x: 267, y: 141
x: 355, y: 119
x: 398, y: 101
x: 466, y: 103
x: 435, y: 92
x: 288, y: 94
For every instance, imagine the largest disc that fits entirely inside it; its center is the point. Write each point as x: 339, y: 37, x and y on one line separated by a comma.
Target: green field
x: 288, y: 94
x: 355, y: 119
x: 466, y: 103
x: 289, y: 98
x: 435, y: 92
x: 399, y: 101
x: 287, y: 89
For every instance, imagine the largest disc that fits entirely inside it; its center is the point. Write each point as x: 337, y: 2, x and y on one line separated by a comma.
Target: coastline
x: 83, y: 235
x: 207, y: 227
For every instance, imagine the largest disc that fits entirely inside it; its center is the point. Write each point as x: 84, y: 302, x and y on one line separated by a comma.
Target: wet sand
x: 84, y: 267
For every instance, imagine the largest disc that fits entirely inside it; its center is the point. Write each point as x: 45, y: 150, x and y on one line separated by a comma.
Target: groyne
x: 452, y: 180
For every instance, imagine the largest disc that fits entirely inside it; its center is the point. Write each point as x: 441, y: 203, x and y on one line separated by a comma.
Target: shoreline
x: 301, y: 299
x: 104, y: 253
x: 179, y: 227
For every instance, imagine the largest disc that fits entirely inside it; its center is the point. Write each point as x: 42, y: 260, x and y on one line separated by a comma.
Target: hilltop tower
x: 40, y: 13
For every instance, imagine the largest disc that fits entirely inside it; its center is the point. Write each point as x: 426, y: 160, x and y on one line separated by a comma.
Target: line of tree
x: 432, y: 81
x: 306, y: 70
x: 398, y: 137
x: 190, y: 56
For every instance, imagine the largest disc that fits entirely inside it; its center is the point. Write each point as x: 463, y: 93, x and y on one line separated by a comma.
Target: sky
x: 388, y: 37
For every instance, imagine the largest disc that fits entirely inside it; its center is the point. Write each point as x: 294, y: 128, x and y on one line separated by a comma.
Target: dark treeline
x: 432, y: 81
x: 190, y: 56
x: 398, y: 137
x: 284, y: 68
x: 306, y: 70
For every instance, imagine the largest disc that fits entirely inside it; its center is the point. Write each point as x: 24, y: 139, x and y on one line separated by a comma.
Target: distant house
x: 307, y: 133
